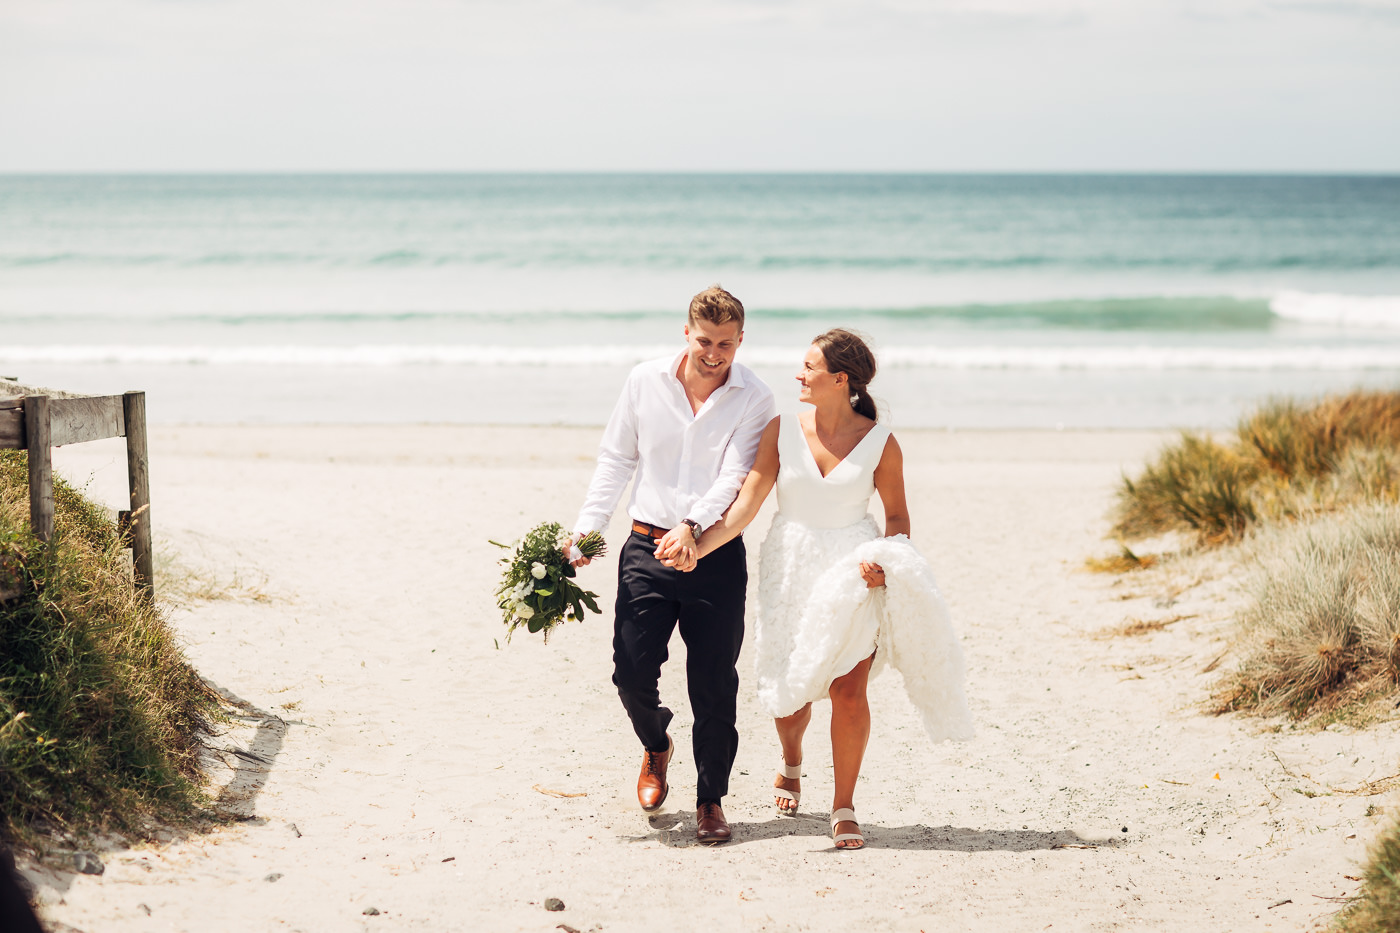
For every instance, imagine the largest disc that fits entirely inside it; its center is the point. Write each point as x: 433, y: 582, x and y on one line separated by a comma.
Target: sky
x: 718, y: 85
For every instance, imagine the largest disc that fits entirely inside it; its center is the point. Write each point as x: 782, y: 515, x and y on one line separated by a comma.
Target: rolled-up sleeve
x: 738, y: 459
x: 617, y: 461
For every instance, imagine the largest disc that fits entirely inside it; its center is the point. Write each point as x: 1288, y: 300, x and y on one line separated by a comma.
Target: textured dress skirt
x: 817, y: 619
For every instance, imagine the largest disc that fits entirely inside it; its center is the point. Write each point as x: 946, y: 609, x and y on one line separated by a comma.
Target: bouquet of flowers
x: 537, y: 589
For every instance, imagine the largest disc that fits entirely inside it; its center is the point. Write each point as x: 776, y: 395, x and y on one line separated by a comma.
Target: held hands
x: 872, y: 574
x: 678, y: 549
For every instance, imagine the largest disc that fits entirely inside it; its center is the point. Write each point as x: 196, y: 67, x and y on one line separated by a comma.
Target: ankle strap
x: 791, y: 772
x: 843, y: 814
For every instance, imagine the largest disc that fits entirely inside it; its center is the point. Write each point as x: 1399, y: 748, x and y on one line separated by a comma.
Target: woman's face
x: 816, y: 381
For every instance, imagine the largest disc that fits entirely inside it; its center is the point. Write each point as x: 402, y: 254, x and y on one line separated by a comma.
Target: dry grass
x: 1323, y: 629
x: 1136, y: 627
x: 101, y: 718
x: 180, y: 584
x: 1286, y: 461
x: 1124, y: 561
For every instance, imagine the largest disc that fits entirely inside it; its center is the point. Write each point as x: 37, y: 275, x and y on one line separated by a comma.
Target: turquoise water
x: 994, y: 301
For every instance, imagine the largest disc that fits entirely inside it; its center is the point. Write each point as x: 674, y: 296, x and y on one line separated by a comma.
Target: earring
x: 854, y: 400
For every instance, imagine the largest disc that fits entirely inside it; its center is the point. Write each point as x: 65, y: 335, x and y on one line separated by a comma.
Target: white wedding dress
x: 816, y: 617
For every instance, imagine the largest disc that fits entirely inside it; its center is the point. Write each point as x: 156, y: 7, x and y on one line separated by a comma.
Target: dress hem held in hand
x: 817, y: 628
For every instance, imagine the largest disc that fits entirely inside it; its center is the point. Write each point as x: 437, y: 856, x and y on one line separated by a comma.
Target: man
x: 689, y: 427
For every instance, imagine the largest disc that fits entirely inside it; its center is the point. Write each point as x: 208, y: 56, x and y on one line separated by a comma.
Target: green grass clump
x: 1286, y: 460
x: 101, y: 717
x: 1323, y: 628
x: 1377, y: 908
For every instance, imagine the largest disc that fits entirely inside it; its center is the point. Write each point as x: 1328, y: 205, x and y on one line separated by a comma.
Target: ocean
x: 993, y: 301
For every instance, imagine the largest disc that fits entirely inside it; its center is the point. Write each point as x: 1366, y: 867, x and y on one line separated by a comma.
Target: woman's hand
x: 872, y: 574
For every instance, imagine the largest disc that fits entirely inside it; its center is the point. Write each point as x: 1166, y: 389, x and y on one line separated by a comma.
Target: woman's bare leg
x: 790, y: 732
x: 850, y: 731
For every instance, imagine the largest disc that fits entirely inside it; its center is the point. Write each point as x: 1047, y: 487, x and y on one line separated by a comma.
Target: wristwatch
x: 694, y: 527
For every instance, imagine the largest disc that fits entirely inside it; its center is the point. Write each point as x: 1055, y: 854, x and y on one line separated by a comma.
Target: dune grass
x: 1377, y: 908
x: 1322, y: 629
x: 100, y: 716
x: 1286, y: 460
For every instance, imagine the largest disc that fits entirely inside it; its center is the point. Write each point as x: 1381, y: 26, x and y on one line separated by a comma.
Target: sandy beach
x: 400, y: 767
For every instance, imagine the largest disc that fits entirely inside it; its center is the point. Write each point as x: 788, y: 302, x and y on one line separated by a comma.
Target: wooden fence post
x: 138, y: 476
x: 36, y: 429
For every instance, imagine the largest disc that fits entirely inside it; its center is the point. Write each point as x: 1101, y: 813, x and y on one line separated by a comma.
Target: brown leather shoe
x: 651, y: 783
x: 711, y: 826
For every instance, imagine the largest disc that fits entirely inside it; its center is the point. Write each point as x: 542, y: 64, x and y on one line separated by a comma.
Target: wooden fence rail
x: 38, y: 423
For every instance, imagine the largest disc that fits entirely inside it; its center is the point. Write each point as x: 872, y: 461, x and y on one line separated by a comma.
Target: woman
x: 828, y: 614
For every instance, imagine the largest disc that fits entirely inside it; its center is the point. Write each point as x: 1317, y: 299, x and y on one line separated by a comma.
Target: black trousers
x: 708, y: 604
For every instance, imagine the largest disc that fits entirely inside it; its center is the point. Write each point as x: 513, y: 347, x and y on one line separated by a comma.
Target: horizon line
x: 1281, y: 173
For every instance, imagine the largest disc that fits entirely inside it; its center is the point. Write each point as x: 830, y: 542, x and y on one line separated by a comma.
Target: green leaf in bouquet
x: 535, y: 624
x: 544, y: 590
x: 589, y: 600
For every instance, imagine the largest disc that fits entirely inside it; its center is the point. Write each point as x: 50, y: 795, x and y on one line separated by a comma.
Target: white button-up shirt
x: 689, y: 464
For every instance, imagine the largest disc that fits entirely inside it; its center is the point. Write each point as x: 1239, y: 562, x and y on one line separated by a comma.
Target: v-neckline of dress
x: 812, y: 458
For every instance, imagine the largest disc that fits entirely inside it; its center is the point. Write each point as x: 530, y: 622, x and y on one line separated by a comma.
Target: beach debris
x: 557, y: 793
x: 1281, y: 903
x: 450, y: 858
x: 566, y: 928
x: 1217, y: 776
x: 553, y: 903
x: 145, y: 908
x: 295, y: 830
x: 274, y: 876
x: 370, y: 911
x: 88, y: 863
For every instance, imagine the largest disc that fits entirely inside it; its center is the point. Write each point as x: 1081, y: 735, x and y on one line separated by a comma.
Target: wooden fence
x: 38, y: 423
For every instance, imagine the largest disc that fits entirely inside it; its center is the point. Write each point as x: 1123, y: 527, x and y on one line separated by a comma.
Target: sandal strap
x: 791, y: 772
x: 841, y: 815
x: 843, y: 837
x: 794, y: 796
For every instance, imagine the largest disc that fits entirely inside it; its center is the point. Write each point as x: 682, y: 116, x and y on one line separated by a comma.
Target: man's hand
x: 580, y: 561
x: 872, y: 574
x: 677, y: 548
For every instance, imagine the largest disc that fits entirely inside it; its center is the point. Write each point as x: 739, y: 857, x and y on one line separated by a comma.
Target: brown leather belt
x: 651, y: 531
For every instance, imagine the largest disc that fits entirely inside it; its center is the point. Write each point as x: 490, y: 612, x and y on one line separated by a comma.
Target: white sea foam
x: 1027, y: 358
x: 1338, y: 310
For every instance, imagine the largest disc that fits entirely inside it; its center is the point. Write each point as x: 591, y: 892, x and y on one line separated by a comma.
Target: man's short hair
x: 716, y: 306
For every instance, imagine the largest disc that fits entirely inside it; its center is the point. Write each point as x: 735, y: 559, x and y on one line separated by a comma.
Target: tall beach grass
x: 1322, y: 628
x: 1287, y: 460
x: 101, y: 718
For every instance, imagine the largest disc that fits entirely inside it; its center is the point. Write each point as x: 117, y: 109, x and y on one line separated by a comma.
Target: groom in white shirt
x: 688, y: 426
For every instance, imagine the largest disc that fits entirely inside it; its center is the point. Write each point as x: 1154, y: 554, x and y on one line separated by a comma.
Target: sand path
x: 410, y: 761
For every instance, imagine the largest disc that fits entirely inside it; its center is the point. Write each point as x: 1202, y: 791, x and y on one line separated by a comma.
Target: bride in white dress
x: 837, y: 600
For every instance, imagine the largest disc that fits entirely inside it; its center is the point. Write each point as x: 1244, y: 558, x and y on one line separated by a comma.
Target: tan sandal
x: 841, y: 816
x: 792, y: 773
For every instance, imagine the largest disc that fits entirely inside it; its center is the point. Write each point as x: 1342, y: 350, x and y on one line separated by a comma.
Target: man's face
x: 710, y: 348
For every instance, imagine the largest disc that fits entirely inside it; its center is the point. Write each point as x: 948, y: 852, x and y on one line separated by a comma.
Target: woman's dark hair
x: 847, y: 352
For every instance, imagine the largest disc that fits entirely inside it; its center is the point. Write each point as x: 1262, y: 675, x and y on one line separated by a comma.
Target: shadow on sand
x: 677, y: 830
x: 252, y: 765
